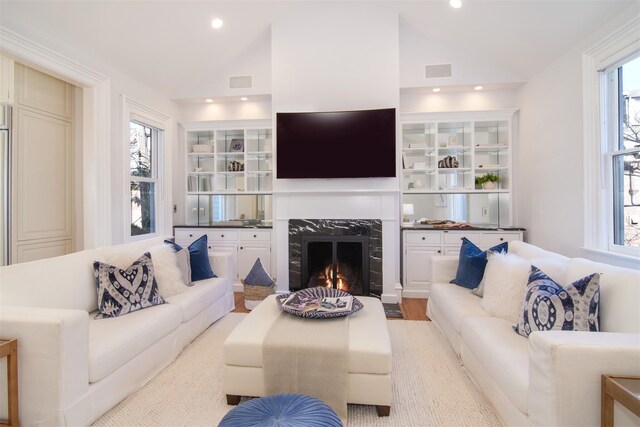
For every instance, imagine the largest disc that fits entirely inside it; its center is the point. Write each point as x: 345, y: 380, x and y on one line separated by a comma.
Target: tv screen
x: 336, y: 144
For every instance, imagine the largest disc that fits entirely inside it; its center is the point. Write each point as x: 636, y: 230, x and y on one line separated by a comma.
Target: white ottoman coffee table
x: 369, y: 377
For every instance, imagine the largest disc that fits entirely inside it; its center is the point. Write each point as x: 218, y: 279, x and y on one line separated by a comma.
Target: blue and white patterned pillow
x: 123, y: 291
x: 549, y: 306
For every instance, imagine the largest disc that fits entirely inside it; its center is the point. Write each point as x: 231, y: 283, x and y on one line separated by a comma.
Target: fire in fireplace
x: 341, y: 277
x: 339, y: 262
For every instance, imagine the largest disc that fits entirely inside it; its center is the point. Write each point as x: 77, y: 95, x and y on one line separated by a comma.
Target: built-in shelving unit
x: 227, y: 158
x: 445, y: 155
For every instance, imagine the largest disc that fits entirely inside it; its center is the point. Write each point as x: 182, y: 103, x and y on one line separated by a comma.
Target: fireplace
x: 344, y: 254
x: 340, y: 262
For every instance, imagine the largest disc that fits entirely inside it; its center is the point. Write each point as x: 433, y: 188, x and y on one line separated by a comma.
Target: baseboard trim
x: 415, y: 294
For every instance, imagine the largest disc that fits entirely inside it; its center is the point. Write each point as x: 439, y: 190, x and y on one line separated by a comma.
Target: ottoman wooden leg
x: 232, y: 399
x: 383, y: 411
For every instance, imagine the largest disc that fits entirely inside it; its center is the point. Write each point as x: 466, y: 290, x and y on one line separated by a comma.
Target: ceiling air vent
x: 435, y: 71
x: 240, y: 82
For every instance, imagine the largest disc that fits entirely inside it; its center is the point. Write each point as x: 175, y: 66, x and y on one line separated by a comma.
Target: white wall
x: 249, y: 110
x: 466, y: 67
x: 485, y: 100
x: 254, y: 62
x: 550, y: 194
x: 337, y: 57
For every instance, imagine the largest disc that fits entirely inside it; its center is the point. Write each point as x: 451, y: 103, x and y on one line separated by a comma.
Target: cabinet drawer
x: 188, y: 235
x: 492, y: 239
x: 251, y: 236
x: 455, y: 237
x: 222, y: 235
x: 423, y: 237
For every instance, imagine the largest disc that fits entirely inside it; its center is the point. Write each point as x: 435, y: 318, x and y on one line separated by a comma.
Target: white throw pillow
x: 505, y: 280
x: 184, y: 264
x: 168, y: 274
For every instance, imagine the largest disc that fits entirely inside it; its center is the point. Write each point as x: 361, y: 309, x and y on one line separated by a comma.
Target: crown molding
x: 34, y: 53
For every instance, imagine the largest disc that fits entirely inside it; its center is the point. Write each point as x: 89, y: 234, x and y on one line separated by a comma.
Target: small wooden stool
x: 9, y: 349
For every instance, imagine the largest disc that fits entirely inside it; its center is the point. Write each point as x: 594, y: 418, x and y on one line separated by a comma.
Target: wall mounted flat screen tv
x: 336, y: 144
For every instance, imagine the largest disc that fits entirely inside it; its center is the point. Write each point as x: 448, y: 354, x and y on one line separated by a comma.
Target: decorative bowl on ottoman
x: 319, y: 303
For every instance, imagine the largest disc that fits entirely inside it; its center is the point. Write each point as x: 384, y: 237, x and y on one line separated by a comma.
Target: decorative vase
x: 489, y: 185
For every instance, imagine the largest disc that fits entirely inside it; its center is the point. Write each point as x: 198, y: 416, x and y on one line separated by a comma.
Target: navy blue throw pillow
x: 472, y: 263
x: 258, y: 276
x: 198, y: 258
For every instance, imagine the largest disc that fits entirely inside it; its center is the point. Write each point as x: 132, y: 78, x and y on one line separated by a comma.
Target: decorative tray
x: 308, y: 300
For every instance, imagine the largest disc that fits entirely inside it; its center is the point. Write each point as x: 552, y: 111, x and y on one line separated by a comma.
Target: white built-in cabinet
x: 478, y: 143
x: 419, y: 246
x: 6, y: 80
x: 225, y: 157
x: 245, y: 245
x: 42, y: 167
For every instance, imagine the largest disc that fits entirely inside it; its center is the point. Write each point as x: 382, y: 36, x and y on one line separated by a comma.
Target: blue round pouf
x: 282, y: 410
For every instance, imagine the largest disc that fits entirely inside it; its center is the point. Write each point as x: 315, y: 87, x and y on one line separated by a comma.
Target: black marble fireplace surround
x: 331, y: 229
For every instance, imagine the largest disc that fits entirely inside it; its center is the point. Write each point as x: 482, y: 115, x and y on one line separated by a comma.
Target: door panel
x: 43, y: 177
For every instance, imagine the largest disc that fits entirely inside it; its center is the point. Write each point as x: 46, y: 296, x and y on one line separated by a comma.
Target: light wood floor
x: 412, y: 308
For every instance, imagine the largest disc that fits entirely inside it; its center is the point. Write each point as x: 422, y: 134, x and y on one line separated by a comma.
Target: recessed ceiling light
x: 244, y: 98
x: 478, y: 87
x: 209, y: 100
x: 216, y: 23
x: 436, y: 89
x: 456, y: 4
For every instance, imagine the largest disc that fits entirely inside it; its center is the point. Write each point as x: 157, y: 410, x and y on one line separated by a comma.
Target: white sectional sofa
x: 553, y: 377
x: 73, y: 368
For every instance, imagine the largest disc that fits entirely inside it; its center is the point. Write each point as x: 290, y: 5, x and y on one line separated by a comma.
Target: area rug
x: 430, y: 388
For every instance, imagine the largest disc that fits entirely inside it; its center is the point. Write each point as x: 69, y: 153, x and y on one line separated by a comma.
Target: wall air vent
x: 240, y: 82
x: 435, y: 71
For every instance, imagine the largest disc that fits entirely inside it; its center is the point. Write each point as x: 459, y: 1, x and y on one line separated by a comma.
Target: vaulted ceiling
x: 169, y: 45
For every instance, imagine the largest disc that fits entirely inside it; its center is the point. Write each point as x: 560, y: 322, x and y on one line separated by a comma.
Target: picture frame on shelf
x: 236, y: 145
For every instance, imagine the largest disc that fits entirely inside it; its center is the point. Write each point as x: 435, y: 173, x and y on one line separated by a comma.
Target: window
x: 622, y: 159
x: 146, y: 152
x: 143, y: 177
x: 611, y: 80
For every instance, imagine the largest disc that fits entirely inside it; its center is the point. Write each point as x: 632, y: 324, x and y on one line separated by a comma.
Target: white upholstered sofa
x: 73, y: 368
x: 553, y: 377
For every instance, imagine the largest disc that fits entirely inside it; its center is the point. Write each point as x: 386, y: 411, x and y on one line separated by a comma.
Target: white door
x: 249, y: 253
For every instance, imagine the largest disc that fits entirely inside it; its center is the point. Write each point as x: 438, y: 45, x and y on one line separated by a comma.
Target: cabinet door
x: 6, y: 80
x: 229, y: 248
x: 417, y: 269
x: 43, y: 165
x: 43, y: 92
x: 36, y: 251
x: 248, y: 253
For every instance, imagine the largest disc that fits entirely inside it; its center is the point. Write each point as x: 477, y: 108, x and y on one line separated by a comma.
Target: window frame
x: 160, y: 123
x: 598, y: 115
x: 610, y: 141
